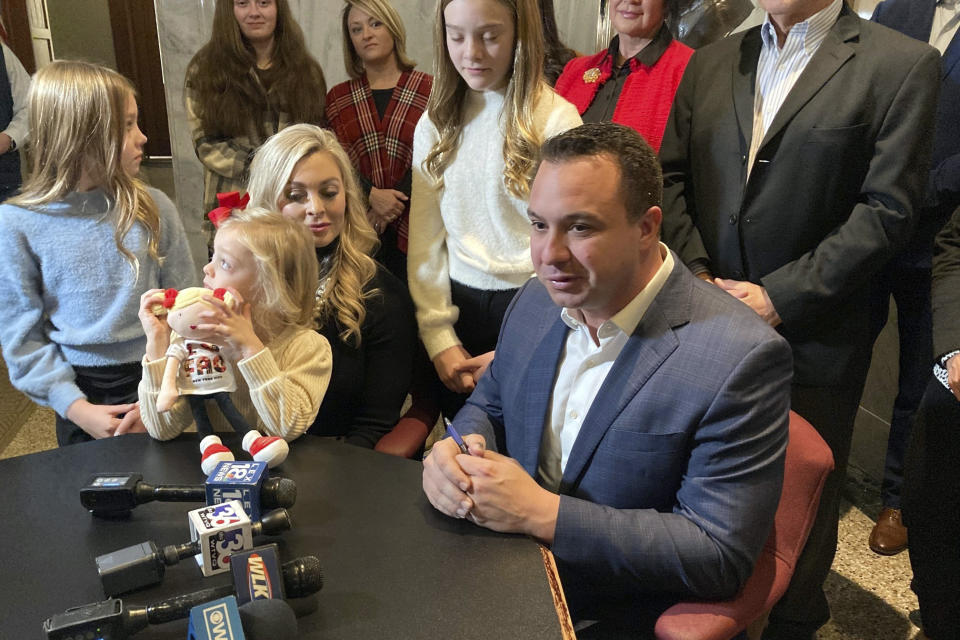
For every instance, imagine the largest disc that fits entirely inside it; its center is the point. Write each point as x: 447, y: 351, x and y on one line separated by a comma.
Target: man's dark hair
x: 641, y: 182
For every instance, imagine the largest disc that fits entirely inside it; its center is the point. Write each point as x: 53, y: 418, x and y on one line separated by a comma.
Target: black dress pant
x: 931, y: 510
x: 114, y: 384
x: 478, y: 327
x: 832, y: 411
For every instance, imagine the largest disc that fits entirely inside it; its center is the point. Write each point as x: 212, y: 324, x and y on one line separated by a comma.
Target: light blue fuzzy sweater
x: 69, y: 297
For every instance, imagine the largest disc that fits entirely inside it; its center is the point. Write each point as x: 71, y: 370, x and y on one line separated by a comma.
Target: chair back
x: 808, y: 462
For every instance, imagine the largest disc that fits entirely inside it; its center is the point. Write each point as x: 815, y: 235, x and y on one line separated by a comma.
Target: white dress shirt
x: 779, y: 68
x: 946, y: 18
x: 583, y: 367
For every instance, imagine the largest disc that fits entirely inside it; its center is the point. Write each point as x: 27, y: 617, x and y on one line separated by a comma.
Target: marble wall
x: 184, y: 26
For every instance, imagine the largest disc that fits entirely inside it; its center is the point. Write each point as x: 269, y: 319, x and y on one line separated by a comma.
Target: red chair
x: 408, y: 435
x: 808, y: 462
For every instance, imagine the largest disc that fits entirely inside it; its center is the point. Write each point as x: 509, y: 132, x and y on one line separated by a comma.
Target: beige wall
x: 81, y: 29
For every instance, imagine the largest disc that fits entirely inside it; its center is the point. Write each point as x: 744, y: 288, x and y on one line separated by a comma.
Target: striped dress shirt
x: 779, y: 68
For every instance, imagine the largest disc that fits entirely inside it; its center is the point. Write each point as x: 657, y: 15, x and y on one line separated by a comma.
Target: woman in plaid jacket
x: 374, y: 115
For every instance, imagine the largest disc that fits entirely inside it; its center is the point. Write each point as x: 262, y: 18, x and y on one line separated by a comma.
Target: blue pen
x: 456, y: 438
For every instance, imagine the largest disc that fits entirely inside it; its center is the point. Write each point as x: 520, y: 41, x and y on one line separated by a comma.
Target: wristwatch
x: 13, y: 145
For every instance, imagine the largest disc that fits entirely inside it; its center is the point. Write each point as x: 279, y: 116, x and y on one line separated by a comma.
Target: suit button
x: 747, y: 220
x: 733, y: 218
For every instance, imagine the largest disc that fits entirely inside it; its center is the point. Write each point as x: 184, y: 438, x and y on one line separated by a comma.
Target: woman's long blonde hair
x: 385, y: 13
x: 77, y: 128
x: 286, y: 269
x: 445, y: 107
x: 352, y: 268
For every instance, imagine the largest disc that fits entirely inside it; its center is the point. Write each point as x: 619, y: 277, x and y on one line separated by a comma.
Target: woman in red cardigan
x: 633, y: 81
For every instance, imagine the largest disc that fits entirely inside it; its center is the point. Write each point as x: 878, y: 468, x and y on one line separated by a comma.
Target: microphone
x: 111, y: 619
x: 114, y: 495
x: 144, y: 564
x: 258, y: 620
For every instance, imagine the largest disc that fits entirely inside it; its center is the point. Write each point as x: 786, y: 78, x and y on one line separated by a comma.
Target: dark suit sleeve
x: 946, y: 288
x: 881, y: 223
x: 707, y: 546
x: 679, y: 231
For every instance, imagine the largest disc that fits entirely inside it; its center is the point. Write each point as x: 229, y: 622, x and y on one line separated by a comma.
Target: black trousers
x: 909, y: 284
x: 931, y: 510
x: 832, y: 411
x: 114, y: 384
x: 198, y: 407
x: 478, y: 327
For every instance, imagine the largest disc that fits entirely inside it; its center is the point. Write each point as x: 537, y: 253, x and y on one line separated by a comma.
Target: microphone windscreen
x: 269, y: 619
x: 302, y: 576
x: 278, y: 492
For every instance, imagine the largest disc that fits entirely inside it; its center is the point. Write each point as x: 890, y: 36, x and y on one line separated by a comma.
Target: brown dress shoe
x: 889, y: 536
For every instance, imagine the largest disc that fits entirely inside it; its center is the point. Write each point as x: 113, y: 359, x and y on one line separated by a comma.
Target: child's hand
x: 154, y: 327
x: 231, y: 326
x: 99, y: 420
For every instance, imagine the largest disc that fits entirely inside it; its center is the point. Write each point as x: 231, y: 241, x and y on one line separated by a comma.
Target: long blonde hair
x: 385, y: 13
x: 521, y: 141
x: 77, y: 128
x: 286, y: 269
x: 352, y: 268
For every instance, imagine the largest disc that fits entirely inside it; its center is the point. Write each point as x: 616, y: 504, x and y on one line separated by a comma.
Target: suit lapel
x: 745, y: 81
x: 832, y: 54
x: 919, y: 20
x: 651, y: 343
x: 542, y: 373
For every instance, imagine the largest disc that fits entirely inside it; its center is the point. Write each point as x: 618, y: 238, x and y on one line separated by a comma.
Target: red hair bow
x: 169, y: 298
x: 228, y: 202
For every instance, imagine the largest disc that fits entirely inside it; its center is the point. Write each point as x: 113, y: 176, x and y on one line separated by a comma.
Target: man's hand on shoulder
x: 752, y: 295
x: 444, y: 482
x: 507, y: 499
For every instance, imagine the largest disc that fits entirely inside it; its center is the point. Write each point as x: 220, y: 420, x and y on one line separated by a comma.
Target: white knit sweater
x: 471, y: 230
x: 279, y: 389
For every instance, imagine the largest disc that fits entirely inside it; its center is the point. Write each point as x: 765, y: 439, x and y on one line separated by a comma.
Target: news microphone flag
x: 217, y: 620
x: 221, y: 530
x: 256, y: 574
x: 241, y: 481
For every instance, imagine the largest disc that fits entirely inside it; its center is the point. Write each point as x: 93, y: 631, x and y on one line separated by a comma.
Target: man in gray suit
x: 645, y: 411
x: 794, y: 159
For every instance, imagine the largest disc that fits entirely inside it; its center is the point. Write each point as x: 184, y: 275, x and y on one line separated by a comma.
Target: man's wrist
x: 542, y: 521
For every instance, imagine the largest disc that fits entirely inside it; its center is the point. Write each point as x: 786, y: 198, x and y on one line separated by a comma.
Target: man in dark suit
x: 794, y: 158
x: 907, y: 276
x: 645, y: 411
x: 931, y: 492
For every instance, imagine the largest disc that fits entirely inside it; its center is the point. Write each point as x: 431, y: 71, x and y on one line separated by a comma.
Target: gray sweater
x: 69, y: 297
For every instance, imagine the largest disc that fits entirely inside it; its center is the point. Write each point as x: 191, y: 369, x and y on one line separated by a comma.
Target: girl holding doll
x: 79, y: 244
x: 267, y: 265
x: 474, y: 153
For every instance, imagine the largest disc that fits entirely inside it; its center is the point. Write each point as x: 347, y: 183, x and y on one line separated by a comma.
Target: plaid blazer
x: 226, y: 159
x: 380, y: 150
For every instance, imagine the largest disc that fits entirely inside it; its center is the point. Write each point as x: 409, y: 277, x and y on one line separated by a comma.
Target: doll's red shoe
x: 270, y: 449
x: 214, y: 452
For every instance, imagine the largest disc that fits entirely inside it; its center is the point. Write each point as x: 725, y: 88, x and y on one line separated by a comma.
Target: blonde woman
x: 252, y: 78
x: 374, y: 115
x: 79, y: 245
x: 361, y: 308
x: 473, y: 158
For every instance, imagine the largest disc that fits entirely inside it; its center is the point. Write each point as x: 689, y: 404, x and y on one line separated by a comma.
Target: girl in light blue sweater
x: 80, y: 244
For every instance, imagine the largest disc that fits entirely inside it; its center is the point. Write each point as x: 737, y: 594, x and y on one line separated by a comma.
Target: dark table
x: 393, y: 566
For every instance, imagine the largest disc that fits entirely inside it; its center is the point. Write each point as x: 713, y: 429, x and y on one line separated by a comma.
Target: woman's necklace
x: 325, y: 267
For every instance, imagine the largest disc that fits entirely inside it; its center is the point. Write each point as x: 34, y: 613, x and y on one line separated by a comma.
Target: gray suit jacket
x: 672, y: 484
x: 833, y: 191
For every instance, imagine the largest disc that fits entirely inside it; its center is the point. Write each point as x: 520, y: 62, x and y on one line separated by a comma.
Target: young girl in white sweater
x: 268, y: 264
x: 78, y: 245
x: 474, y: 153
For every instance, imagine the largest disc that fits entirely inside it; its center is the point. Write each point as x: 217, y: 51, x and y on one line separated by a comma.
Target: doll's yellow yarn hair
x: 188, y: 296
